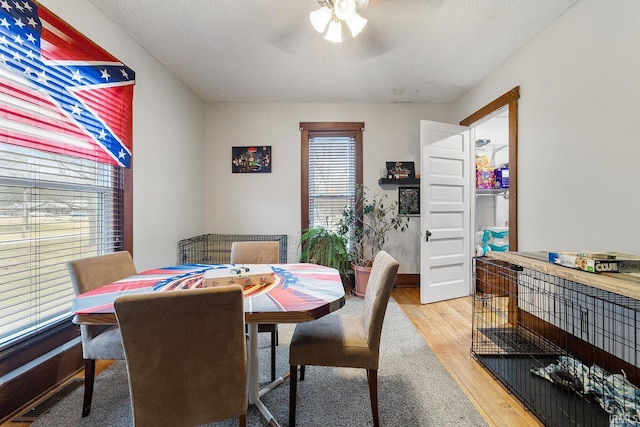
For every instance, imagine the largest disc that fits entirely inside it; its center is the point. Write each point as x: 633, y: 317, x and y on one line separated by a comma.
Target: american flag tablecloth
x: 297, y: 288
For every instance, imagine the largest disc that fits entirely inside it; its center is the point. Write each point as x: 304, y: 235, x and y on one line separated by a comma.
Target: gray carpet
x: 414, y: 388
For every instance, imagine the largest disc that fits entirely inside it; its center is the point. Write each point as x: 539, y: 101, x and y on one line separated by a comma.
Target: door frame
x: 511, y: 99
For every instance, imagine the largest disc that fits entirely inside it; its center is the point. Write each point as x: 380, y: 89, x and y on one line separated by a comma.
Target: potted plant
x: 366, y: 226
x: 321, y: 246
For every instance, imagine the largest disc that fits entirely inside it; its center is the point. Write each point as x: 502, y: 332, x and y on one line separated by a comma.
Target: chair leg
x: 302, y: 373
x: 274, y: 341
x: 372, y: 375
x: 242, y: 420
x: 293, y: 391
x: 89, y: 375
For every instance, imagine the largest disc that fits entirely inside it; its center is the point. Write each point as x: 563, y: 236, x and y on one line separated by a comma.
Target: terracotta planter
x: 361, y: 279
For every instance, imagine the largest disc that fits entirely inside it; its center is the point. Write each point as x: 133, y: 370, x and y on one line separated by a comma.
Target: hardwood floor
x: 446, y: 327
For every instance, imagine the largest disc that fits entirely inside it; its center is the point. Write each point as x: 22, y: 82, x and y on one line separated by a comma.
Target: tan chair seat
x: 348, y: 341
x: 333, y: 340
x: 186, y: 355
x: 98, y: 342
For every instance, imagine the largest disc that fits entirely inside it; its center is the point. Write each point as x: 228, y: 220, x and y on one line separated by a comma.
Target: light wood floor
x: 446, y: 327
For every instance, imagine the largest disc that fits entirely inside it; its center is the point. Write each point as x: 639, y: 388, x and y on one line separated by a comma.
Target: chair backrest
x: 90, y: 273
x: 255, y: 252
x: 186, y: 355
x: 381, y: 280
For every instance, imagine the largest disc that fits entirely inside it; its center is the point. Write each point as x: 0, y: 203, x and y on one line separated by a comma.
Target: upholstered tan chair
x: 186, y: 355
x: 343, y: 340
x: 98, y: 342
x: 255, y: 252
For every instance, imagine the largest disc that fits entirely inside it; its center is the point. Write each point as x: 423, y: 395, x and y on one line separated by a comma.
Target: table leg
x: 252, y: 363
x: 253, y: 381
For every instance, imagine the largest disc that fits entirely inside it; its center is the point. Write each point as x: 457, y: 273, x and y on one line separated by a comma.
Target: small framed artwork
x: 401, y: 170
x: 409, y: 201
x: 252, y: 159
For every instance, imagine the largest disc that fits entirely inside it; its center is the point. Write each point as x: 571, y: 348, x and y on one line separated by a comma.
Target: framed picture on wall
x: 251, y: 159
x: 401, y: 170
x: 409, y: 201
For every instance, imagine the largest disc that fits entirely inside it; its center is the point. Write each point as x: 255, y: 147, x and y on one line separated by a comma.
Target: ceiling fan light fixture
x: 320, y: 18
x: 356, y: 24
x: 333, y: 13
x: 334, y: 33
x: 344, y: 9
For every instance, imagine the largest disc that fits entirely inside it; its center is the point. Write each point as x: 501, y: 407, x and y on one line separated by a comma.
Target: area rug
x: 414, y: 389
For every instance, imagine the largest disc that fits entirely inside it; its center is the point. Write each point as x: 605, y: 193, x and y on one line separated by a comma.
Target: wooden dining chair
x: 186, y: 355
x: 99, y: 342
x: 344, y: 340
x: 256, y: 252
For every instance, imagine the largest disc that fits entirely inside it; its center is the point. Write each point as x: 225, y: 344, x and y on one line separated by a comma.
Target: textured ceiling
x: 267, y: 51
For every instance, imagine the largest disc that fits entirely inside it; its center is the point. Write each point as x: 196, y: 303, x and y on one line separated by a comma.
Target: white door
x: 445, y: 249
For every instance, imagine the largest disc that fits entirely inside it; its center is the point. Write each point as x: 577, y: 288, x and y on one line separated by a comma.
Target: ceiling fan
x: 388, y: 25
x: 333, y: 13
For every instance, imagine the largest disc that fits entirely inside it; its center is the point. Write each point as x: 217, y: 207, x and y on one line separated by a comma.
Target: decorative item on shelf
x: 366, y: 227
x: 333, y: 13
x: 409, y: 201
x: 251, y: 159
x: 401, y: 170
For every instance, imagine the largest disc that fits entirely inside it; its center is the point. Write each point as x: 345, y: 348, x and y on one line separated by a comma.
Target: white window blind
x: 53, y: 208
x: 332, y: 178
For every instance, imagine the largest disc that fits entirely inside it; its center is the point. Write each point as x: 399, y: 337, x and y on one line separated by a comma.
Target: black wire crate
x: 570, y: 352
x: 216, y: 248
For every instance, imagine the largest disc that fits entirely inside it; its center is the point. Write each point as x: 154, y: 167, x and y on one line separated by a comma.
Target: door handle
x: 427, y: 235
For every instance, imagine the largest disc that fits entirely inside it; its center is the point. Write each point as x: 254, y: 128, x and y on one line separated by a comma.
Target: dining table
x: 295, y: 293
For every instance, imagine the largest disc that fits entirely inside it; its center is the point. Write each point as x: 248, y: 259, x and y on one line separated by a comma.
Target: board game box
x: 245, y: 275
x: 593, y: 262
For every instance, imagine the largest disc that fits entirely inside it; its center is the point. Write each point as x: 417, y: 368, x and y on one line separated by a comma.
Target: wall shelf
x: 407, y: 181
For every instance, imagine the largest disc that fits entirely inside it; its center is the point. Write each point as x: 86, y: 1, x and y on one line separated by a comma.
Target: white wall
x: 270, y: 203
x: 577, y: 163
x: 579, y: 153
x: 168, y: 141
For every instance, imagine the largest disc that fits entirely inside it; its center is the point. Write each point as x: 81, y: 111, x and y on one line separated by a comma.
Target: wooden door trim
x: 511, y: 99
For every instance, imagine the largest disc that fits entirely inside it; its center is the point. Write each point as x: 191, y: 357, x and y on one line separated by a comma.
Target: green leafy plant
x: 367, y: 225
x: 321, y: 246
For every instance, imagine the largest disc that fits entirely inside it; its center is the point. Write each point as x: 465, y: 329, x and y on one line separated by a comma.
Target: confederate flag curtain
x: 60, y: 92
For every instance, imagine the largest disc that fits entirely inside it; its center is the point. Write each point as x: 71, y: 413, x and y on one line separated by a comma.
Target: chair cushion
x: 333, y: 340
x: 106, y: 344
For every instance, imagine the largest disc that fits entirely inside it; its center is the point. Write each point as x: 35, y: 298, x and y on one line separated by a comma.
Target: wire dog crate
x: 216, y: 248
x: 570, y: 352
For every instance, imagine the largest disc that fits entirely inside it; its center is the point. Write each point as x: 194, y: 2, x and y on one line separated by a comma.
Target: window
x: 331, y: 170
x: 65, y: 144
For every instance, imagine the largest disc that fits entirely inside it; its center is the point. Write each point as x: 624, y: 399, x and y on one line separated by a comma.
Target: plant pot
x: 361, y: 279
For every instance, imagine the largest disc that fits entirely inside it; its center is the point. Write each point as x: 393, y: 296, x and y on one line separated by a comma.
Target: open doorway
x: 501, y: 115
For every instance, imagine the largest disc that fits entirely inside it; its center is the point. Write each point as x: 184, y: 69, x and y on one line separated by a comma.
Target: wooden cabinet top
x: 618, y: 283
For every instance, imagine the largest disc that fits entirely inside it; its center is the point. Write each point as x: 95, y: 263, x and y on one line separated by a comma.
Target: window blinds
x: 53, y: 208
x: 332, y: 178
